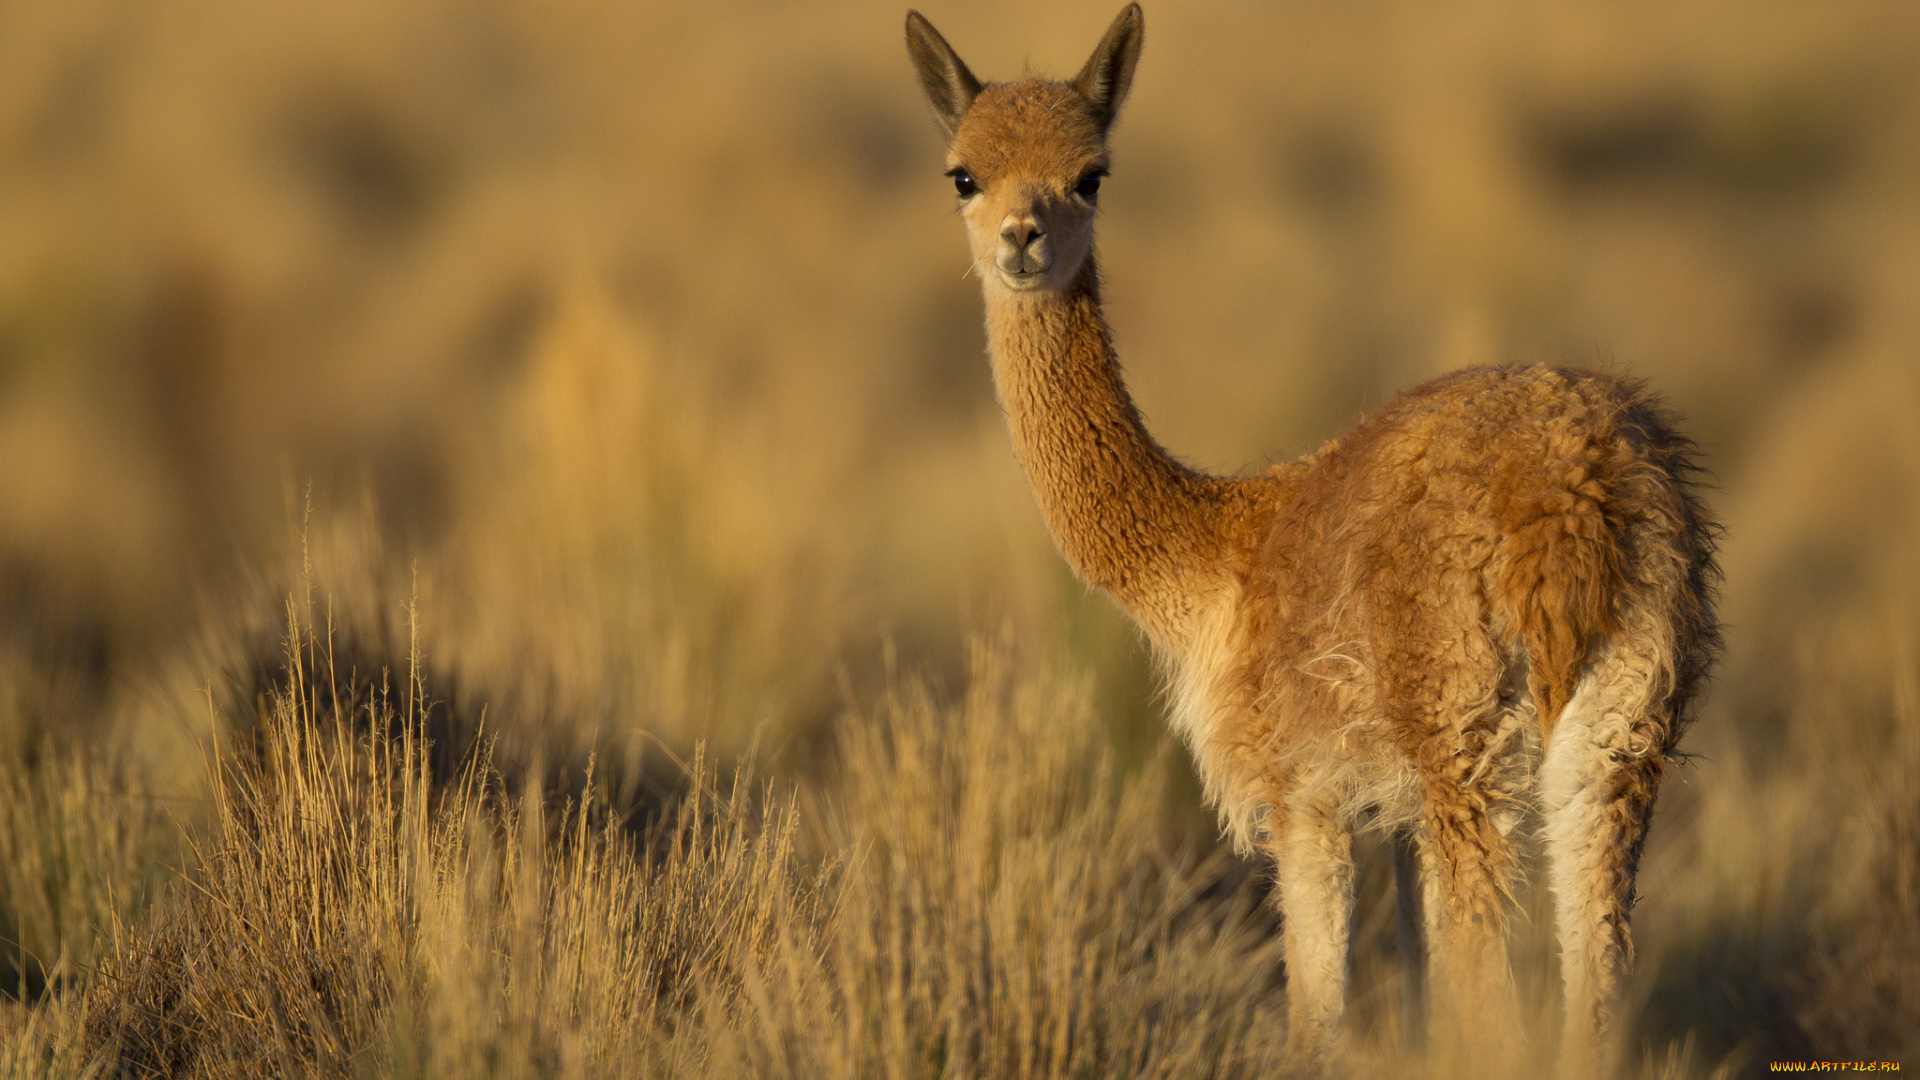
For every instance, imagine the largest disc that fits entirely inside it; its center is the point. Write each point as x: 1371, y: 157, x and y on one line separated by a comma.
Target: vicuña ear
x: 948, y: 83
x: 1109, y: 71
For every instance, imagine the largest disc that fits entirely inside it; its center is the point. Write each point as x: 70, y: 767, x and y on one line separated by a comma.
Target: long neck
x: 1127, y: 516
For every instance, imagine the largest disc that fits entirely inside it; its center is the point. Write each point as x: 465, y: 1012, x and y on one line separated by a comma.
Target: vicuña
x: 1488, y: 601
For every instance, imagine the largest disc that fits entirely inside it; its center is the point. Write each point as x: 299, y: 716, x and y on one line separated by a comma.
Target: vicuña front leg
x: 1313, y: 853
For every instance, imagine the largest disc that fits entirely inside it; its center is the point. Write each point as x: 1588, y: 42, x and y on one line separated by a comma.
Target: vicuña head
x: 1491, y: 598
x: 1027, y: 157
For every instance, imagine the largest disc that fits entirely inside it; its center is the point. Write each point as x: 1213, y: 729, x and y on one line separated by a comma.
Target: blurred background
x: 620, y: 354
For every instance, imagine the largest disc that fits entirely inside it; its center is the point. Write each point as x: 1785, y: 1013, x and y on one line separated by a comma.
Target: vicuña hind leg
x: 1313, y: 853
x: 1473, y: 1005
x: 1602, y: 767
x: 1412, y: 878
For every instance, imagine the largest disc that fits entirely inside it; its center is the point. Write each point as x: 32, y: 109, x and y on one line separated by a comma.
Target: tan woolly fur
x: 1489, y: 598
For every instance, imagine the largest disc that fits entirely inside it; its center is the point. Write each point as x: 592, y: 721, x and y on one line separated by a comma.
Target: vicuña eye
x: 963, y: 182
x: 1089, y: 186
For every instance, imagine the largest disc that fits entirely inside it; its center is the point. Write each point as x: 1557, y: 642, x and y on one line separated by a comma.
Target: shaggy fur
x: 1490, y: 597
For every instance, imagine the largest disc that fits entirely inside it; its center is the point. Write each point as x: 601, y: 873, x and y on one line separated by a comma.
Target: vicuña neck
x: 1127, y: 516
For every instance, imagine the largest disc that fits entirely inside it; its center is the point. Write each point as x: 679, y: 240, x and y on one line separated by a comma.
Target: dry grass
x: 599, y: 383
x: 979, y: 892
x: 345, y: 914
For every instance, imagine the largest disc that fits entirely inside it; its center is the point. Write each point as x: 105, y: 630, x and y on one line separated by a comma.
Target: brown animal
x: 1489, y: 599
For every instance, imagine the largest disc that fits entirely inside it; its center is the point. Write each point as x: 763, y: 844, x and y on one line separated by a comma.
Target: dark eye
x: 963, y: 182
x: 1089, y: 186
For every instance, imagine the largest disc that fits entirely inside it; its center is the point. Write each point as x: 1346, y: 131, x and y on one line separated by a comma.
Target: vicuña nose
x: 1020, y: 231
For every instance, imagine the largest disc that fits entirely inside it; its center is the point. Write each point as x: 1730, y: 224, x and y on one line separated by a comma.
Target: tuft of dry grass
x: 1014, y: 906
x: 83, y: 855
x: 1857, y: 994
x: 343, y: 913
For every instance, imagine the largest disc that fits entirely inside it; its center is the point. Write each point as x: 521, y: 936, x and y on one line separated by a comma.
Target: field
x: 510, y: 563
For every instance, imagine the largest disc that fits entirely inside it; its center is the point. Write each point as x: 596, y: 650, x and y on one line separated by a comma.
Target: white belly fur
x: 1201, y: 700
x: 1371, y: 792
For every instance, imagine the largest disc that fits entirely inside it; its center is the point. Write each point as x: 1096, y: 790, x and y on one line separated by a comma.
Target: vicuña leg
x: 1412, y: 877
x: 1597, y: 784
x: 1313, y: 853
x: 1474, y: 1008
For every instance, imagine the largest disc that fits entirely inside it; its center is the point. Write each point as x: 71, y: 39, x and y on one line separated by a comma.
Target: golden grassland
x: 509, y: 563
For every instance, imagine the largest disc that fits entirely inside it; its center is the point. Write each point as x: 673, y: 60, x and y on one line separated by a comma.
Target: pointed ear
x: 948, y: 83
x: 1109, y: 71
